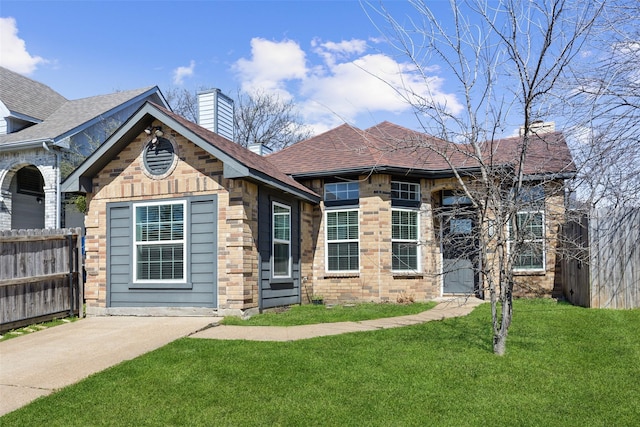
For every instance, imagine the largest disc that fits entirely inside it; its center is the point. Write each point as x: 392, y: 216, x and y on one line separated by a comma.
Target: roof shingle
x: 22, y: 95
x: 72, y: 115
x: 386, y: 145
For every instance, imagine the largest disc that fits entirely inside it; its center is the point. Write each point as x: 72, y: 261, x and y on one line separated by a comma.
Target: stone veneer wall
x: 46, y: 163
x: 375, y: 280
x: 196, y: 173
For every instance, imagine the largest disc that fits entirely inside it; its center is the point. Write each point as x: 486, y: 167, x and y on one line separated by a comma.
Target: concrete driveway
x: 38, y: 364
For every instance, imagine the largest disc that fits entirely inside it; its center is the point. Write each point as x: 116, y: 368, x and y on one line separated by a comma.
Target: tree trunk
x: 500, y: 334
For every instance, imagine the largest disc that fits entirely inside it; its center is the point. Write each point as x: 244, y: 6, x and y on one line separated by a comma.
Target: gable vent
x: 159, y: 157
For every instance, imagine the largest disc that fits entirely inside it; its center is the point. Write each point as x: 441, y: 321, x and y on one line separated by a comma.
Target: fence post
x: 70, y: 245
x: 80, y: 269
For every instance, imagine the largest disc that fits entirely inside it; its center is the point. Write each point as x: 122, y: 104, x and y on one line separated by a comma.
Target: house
x: 38, y: 126
x: 181, y: 218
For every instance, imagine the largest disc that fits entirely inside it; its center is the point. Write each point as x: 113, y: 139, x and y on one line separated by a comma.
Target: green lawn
x: 564, y: 366
x: 310, y: 314
x: 15, y: 333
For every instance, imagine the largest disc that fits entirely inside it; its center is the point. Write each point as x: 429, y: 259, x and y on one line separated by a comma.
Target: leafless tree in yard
x: 505, y: 60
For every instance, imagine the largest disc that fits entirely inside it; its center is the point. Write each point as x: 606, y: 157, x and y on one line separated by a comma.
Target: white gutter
x: 23, y: 145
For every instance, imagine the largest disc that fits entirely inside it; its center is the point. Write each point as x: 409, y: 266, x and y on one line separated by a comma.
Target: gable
x: 237, y: 162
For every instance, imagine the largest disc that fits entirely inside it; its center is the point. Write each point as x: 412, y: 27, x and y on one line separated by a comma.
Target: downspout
x: 58, y: 193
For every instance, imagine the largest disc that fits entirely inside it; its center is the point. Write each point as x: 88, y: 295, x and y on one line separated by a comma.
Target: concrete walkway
x: 40, y: 363
x: 449, y: 307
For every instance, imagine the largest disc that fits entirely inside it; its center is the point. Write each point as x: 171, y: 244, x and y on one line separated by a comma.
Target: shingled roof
x: 71, y: 116
x: 28, y: 97
x: 387, y: 146
x: 238, y: 161
x: 241, y: 154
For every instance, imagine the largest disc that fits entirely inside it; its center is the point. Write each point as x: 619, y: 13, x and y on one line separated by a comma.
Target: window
x: 527, y: 230
x: 404, y: 240
x: 341, y: 193
x: 455, y: 198
x: 342, y: 241
x: 159, y: 241
x: 529, y: 244
x: 405, y: 192
x: 281, y: 240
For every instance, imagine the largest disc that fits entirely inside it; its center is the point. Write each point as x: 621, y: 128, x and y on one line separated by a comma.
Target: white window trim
x: 326, y: 241
x: 183, y: 241
x: 418, y: 251
x: 541, y: 240
x: 274, y: 240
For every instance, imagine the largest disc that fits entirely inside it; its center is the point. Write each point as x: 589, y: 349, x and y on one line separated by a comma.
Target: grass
x: 15, y: 333
x: 565, y: 366
x: 311, y: 314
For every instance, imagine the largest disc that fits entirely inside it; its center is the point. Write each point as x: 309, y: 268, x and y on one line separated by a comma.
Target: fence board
x: 40, y: 275
x: 612, y: 275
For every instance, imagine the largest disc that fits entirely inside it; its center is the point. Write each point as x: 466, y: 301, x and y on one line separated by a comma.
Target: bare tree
x: 606, y: 98
x: 259, y: 118
x: 183, y: 102
x: 264, y: 118
x: 82, y: 145
x: 505, y: 60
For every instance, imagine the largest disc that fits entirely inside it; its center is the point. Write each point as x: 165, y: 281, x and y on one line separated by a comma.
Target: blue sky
x: 320, y: 54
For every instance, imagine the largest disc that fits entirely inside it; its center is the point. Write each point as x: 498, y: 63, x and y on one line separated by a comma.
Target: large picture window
x: 281, y: 240
x: 342, y: 241
x: 404, y: 240
x: 159, y: 240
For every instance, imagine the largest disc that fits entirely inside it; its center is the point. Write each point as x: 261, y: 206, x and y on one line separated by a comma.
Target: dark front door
x: 459, y: 254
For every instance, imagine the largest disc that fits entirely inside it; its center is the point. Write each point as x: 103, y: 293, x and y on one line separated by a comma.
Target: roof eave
x: 390, y: 170
x: 25, y: 145
x: 550, y: 176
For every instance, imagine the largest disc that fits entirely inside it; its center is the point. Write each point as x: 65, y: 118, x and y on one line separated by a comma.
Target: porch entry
x: 459, y: 254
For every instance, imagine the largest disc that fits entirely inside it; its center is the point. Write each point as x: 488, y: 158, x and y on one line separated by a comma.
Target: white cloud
x: 332, y: 51
x: 181, y: 72
x: 346, y: 83
x: 272, y: 64
x: 13, y: 51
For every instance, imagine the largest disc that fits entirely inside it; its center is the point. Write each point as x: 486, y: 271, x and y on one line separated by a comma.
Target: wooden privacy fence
x: 40, y: 276
x: 600, y: 259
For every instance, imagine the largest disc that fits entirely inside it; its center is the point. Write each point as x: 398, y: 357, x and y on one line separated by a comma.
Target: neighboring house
x: 179, y: 216
x: 37, y: 127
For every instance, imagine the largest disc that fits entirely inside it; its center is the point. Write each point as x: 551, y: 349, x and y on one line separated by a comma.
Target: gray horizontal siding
x: 277, y: 292
x: 201, y: 287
